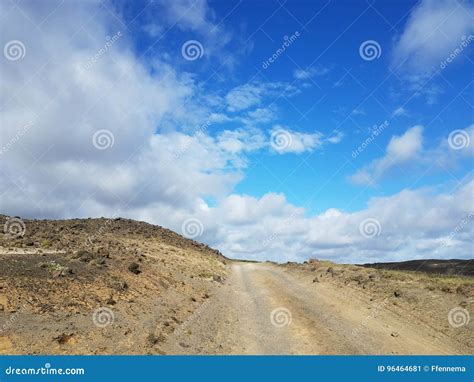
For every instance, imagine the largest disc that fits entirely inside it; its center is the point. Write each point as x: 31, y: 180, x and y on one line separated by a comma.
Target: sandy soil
x: 269, y: 309
x: 116, y: 286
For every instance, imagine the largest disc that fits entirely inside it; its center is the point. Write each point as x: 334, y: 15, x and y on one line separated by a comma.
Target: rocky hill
x: 89, y: 286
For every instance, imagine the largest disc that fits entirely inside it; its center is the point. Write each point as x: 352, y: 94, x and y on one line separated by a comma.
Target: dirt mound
x: 99, y: 286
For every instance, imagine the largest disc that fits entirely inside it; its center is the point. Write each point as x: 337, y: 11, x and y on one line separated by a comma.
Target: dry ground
x: 155, y: 292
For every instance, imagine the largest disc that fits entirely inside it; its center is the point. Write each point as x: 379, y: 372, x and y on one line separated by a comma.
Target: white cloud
x: 434, y: 29
x: 358, y: 112
x: 336, y: 137
x: 260, y: 115
x: 400, y: 149
x: 456, y: 146
x: 166, y: 162
x: 252, y: 94
x: 407, y: 150
x: 241, y: 140
x: 285, y: 141
x: 194, y: 16
x: 413, y: 224
x: 306, y: 74
x: 399, y: 112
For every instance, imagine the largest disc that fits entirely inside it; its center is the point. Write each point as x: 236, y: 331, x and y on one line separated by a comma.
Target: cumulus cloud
x: 435, y: 28
x: 455, y: 147
x: 190, y: 16
x: 241, y: 140
x: 407, y: 225
x: 400, y: 149
x: 162, y: 162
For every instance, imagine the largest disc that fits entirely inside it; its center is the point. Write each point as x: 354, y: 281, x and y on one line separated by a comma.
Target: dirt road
x: 266, y: 309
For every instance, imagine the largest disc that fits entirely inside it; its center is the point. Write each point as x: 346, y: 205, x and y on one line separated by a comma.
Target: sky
x: 270, y: 130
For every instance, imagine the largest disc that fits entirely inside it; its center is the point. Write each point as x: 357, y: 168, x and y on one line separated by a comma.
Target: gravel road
x: 266, y: 309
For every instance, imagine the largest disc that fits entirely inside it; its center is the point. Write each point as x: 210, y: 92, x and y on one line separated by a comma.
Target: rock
x: 394, y: 334
x: 118, y: 284
x: 315, y: 280
x: 61, y: 272
x: 218, y: 279
x: 64, y: 338
x: 84, y: 256
x: 397, y: 293
x: 99, y: 261
x: 134, y: 268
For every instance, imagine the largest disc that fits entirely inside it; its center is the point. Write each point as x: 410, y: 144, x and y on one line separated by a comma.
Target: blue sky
x: 278, y: 171
x: 346, y: 93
